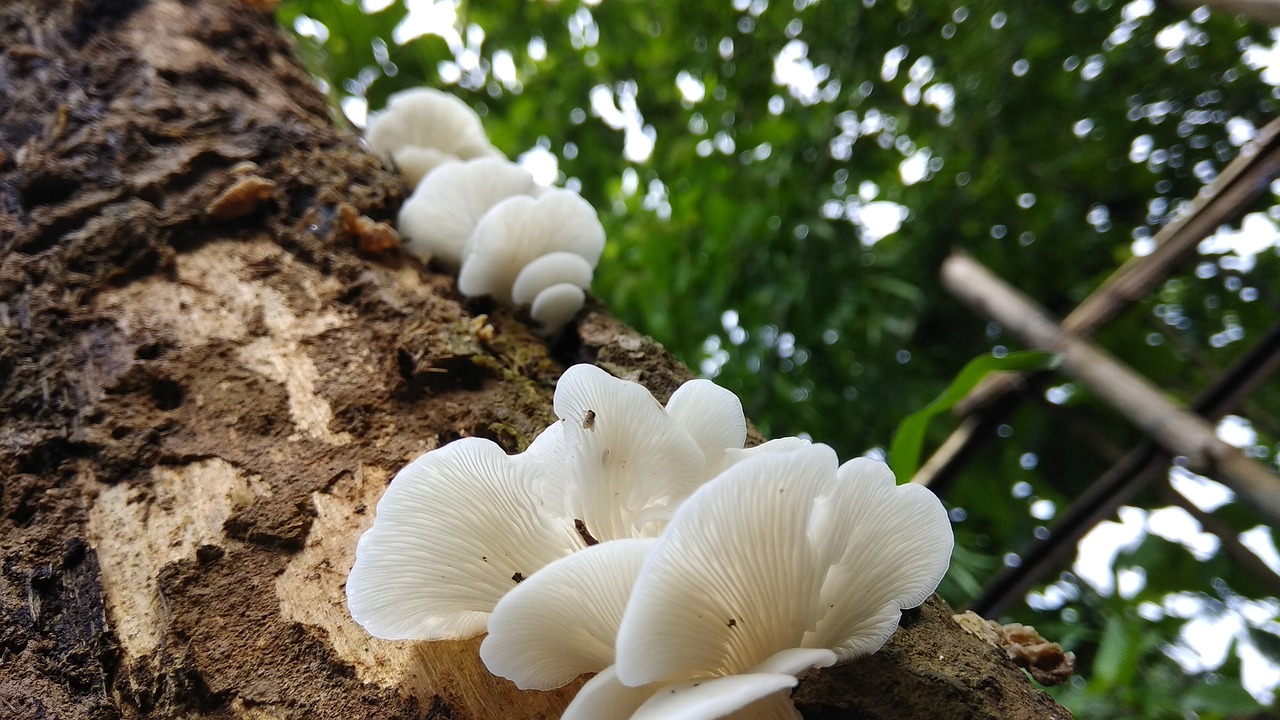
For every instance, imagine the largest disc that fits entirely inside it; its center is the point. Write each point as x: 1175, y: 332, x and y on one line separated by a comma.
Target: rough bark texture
x: 210, y: 369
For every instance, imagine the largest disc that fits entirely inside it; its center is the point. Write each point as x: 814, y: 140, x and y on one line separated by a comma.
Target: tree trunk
x: 213, y: 362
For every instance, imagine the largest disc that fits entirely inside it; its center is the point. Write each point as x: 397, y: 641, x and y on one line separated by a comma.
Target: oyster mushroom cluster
x: 643, y: 543
x: 474, y: 211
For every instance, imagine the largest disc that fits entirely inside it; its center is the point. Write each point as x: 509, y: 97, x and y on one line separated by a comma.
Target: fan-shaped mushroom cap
x: 444, y: 209
x: 562, y: 622
x: 530, y: 642
x: 752, y: 696
x: 556, y: 306
x: 464, y: 524
x: 422, y: 128
x: 604, y: 697
x: 627, y: 458
x: 416, y: 162
x: 713, y: 415
x: 784, y: 560
x: 550, y: 269
x: 519, y: 230
x: 456, y: 529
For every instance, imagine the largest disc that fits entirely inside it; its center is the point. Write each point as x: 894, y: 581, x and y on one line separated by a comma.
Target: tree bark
x: 213, y: 361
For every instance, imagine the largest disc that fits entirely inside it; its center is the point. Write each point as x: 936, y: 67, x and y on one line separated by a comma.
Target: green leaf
x: 908, y: 441
x: 1119, y: 650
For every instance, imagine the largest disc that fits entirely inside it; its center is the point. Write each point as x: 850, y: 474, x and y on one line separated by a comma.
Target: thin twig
x: 1231, y: 544
x: 1178, y: 430
x: 1124, y: 480
x: 1225, y: 199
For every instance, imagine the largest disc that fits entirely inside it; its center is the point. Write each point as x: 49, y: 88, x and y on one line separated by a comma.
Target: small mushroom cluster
x: 475, y: 211
x: 643, y: 543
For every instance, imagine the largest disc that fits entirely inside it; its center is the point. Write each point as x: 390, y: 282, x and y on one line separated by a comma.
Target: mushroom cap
x: 783, y: 560
x: 556, y: 306
x: 551, y: 269
x: 749, y: 696
x: 415, y: 162
x: 894, y: 539
x: 562, y: 621
x: 734, y: 455
x: 422, y: 128
x: 456, y: 529
x: 619, y: 461
x: 464, y: 524
x: 713, y: 415
x: 444, y: 209
x: 753, y: 696
x: 626, y: 458
x: 519, y: 230
x: 603, y: 696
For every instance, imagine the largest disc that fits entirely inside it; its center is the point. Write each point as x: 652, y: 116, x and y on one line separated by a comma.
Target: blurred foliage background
x: 780, y: 181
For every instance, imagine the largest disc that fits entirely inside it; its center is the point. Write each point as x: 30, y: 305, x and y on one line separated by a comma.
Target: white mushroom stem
x: 550, y: 269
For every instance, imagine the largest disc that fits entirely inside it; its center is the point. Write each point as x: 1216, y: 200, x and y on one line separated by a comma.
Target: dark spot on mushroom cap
x: 589, y: 420
x: 581, y: 527
x: 518, y: 578
x: 733, y: 622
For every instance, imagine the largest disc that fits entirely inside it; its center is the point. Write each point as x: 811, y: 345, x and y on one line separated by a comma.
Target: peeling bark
x: 211, y: 368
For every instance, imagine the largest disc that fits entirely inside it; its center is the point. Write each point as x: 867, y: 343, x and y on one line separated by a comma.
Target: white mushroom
x: 562, y: 621
x: 519, y: 230
x: 422, y: 128
x: 554, y: 307
x: 703, y: 407
x: 551, y: 269
x: 782, y: 562
x: 628, y: 459
x: 749, y: 696
x: 446, y: 544
x: 444, y: 209
x: 415, y: 162
x: 604, y: 697
x: 734, y: 455
x: 464, y: 524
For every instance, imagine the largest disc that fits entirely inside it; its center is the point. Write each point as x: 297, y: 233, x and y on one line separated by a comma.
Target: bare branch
x: 1176, y: 429
x: 1139, y: 468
